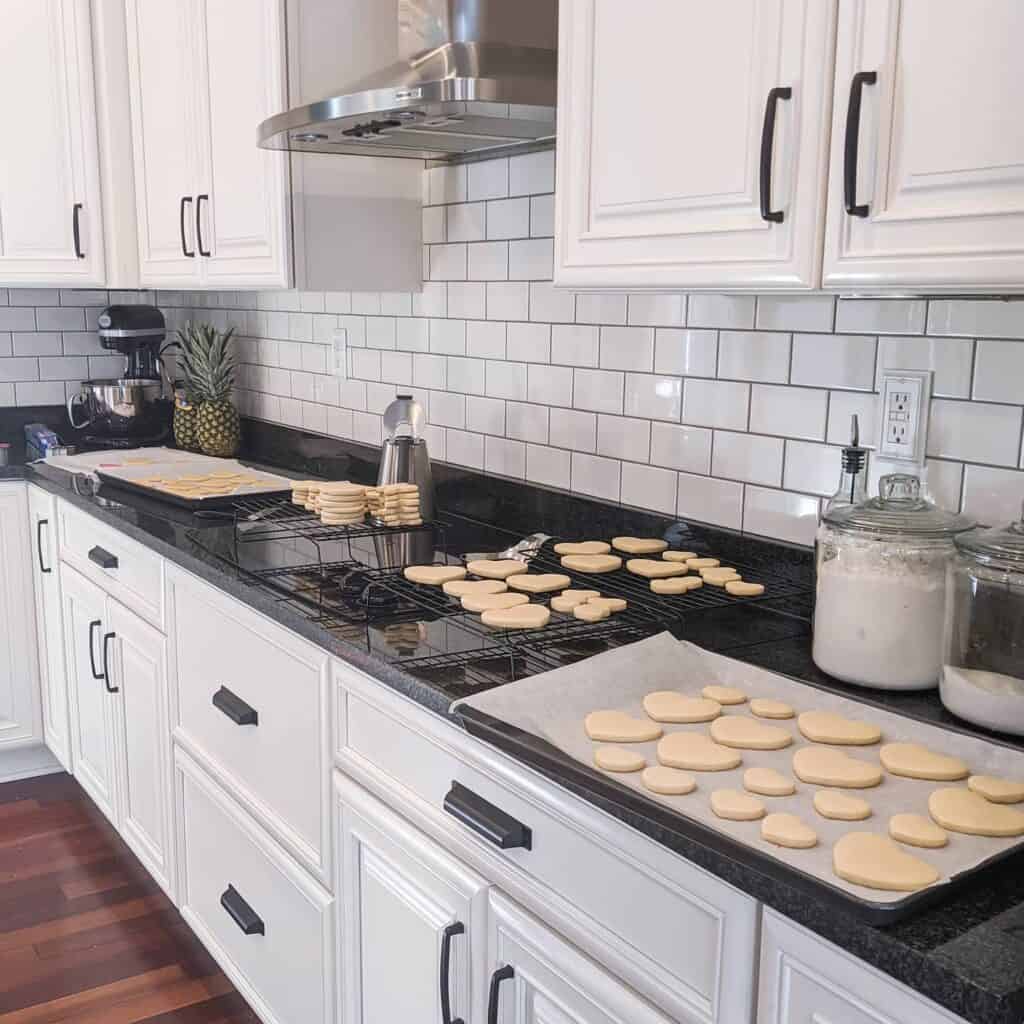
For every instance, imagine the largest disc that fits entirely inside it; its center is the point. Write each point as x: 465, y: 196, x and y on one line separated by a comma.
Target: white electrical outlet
x: 906, y: 402
x: 339, y: 340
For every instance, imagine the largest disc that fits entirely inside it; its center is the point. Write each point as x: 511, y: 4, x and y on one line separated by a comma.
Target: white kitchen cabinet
x: 212, y: 207
x: 51, y: 227
x: 120, y: 735
x: 20, y: 718
x: 45, y: 569
x: 926, y: 185
x: 671, y: 171
x: 405, y: 904
x: 538, y: 978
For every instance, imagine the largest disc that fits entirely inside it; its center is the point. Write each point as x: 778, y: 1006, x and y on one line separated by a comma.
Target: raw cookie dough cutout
x: 832, y: 803
x: 879, y: 863
x: 741, y: 588
x: 695, y: 752
x: 460, y: 588
x: 998, y: 791
x: 497, y: 568
x: 788, y: 830
x: 748, y: 734
x: 524, y: 616
x: 653, y: 569
x: 914, y: 761
x: 765, y: 707
x: 961, y: 810
x: 433, y: 575
x: 767, y: 782
x: 590, y: 612
x: 670, y: 706
x: 677, y: 585
x: 678, y: 556
x: 609, y: 726
x: 480, y: 603
x: 668, y: 781
x: 828, y: 727
x: 917, y: 830
x: 583, y: 547
x: 639, y: 545
x: 823, y: 766
x: 735, y: 805
x: 591, y: 563
x: 724, y: 694
x: 539, y: 583
x: 616, y: 759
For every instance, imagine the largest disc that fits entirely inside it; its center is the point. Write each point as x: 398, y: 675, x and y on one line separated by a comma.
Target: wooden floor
x: 85, y: 934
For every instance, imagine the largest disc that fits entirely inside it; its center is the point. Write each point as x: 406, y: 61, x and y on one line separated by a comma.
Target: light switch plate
x: 339, y: 342
x: 906, y: 397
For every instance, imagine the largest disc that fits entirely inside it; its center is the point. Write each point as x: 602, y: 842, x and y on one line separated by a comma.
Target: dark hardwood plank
x: 86, y: 936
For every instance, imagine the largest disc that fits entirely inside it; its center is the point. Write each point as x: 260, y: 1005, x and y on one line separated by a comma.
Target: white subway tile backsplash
x: 381, y: 332
x: 549, y: 467
x: 49, y: 392
x: 366, y: 303
x: 508, y: 300
x: 627, y: 348
x: 574, y: 430
x: 686, y: 353
x: 531, y: 259
x: 413, y: 335
x: 660, y: 398
x: 716, y: 403
x: 434, y: 227
x: 836, y: 361
x: 994, y: 497
x: 598, y: 391
x: 843, y: 406
x: 18, y: 369
x: 943, y: 482
x: 449, y: 262
x: 782, y: 514
x: 466, y: 222
x: 508, y: 218
x: 574, y: 345
x: 527, y: 422
x: 465, y: 449
x: 976, y: 318
x: 881, y: 316
x: 429, y: 371
x: 596, y: 476
x: 446, y: 184
x: 466, y: 376
x: 813, y: 468
x: 542, y: 216
x: 531, y: 174
x: 551, y: 305
x: 649, y: 487
x: 506, y: 380
x: 36, y: 344
x: 795, y: 312
x: 488, y: 179
x: 367, y: 428
x: 747, y: 457
x: 485, y: 415
x: 467, y: 299
x: 505, y: 457
x: 728, y: 311
x: 60, y: 318
x: 595, y: 308
x: 999, y: 372
x: 788, y: 412
x: 657, y: 310
x: 624, y: 438
x: 431, y: 301
x: 488, y: 261
x: 975, y: 432
x: 550, y: 385
x: 708, y: 500
x: 744, y: 355
x: 950, y: 358
x: 448, y: 337
x: 339, y: 422
x: 396, y: 367
x: 677, y: 447
x: 529, y: 343
x: 16, y: 318
x: 485, y: 340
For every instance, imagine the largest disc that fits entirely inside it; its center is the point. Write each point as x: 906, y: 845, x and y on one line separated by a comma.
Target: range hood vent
x: 476, y: 78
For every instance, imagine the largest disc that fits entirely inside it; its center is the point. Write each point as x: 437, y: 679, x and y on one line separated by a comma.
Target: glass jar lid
x: 899, y: 509
x: 998, y: 545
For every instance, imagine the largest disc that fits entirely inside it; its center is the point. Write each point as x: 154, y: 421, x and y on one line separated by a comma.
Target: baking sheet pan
x: 545, y: 714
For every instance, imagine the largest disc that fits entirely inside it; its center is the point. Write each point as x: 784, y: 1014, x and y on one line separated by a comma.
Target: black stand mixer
x: 132, y: 410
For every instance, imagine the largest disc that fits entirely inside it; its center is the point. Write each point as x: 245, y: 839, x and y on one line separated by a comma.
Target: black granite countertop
x: 967, y: 953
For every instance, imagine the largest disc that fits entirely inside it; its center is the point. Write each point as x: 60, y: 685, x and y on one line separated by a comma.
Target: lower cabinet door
x: 42, y: 508
x: 93, y: 705
x: 410, y: 923
x: 137, y: 671
x: 536, y: 977
x: 264, y: 919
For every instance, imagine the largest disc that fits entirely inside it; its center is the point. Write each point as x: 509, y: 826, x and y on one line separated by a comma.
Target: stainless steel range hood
x: 477, y: 78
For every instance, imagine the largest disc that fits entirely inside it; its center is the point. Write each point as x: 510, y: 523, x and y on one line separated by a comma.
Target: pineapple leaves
x: 207, y: 362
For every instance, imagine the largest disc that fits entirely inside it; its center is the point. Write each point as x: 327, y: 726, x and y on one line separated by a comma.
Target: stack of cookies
x: 300, y: 491
x: 341, y: 504
x: 395, y: 504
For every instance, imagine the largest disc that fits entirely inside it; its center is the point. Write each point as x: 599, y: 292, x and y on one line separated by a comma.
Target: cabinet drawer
x: 807, y: 980
x: 124, y: 569
x: 251, y: 703
x: 677, y: 924
x: 268, y: 925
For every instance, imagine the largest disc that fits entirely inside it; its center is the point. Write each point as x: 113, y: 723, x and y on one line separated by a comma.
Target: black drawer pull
x: 235, y: 708
x: 487, y: 820
x: 107, y: 637
x: 457, y: 928
x: 199, y: 224
x: 767, y: 151
x: 851, y: 143
x: 103, y: 558
x: 40, y: 523
x: 506, y: 973
x: 241, y: 913
x: 76, y: 230
x: 93, y: 626
x: 185, y: 200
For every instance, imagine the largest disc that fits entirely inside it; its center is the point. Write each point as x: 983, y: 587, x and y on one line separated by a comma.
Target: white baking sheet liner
x: 553, y: 706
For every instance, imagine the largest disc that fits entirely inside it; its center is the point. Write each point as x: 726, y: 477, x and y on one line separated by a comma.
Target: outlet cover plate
x: 906, y: 397
x: 339, y: 344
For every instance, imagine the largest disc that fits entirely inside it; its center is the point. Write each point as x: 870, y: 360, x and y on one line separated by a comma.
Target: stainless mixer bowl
x: 120, y: 408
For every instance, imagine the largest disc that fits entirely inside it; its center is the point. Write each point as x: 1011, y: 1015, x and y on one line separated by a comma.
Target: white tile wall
x: 726, y: 409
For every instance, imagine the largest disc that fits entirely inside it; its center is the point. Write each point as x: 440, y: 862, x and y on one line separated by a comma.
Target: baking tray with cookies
x: 873, y: 812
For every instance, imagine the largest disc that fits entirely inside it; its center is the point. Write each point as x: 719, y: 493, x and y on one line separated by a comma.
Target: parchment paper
x: 553, y: 706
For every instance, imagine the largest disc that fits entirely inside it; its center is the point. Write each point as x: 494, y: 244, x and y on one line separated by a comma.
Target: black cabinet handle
x: 783, y: 92
x: 852, y: 143
x: 505, y: 973
x: 93, y: 626
x: 107, y: 637
x: 76, y: 229
x: 40, y: 523
x: 446, y: 967
x: 241, y: 913
x: 185, y: 200
x: 199, y: 223
x: 487, y: 820
x: 103, y: 558
x: 235, y: 708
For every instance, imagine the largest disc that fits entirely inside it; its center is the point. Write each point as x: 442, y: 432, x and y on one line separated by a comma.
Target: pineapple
x: 209, y: 371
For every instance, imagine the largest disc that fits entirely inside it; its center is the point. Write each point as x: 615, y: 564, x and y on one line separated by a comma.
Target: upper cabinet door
x: 243, y: 196
x: 161, y: 62
x: 693, y: 143
x: 932, y: 163
x: 51, y: 226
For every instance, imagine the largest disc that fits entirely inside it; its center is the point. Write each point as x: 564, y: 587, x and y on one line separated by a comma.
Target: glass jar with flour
x: 983, y: 674
x: 881, y: 589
